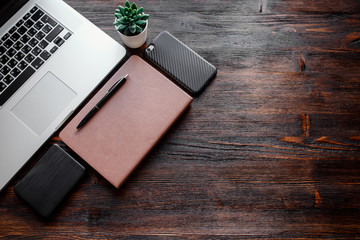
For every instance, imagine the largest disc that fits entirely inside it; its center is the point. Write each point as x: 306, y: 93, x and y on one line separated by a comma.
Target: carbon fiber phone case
x: 50, y: 180
x: 181, y: 63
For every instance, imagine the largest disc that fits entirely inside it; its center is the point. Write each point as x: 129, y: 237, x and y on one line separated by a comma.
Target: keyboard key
x: 66, y: 37
x: 47, y: 28
x: 2, y: 86
x: 33, y: 42
x: 6, y: 36
x: 2, y: 50
x: 19, y: 81
x: 21, y: 30
x: 37, y: 63
x: 11, y: 52
x: 45, y: 55
x: 12, y: 63
x: 40, y: 35
x: 4, y: 59
x: 15, y: 72
x: 32, y: 32
x: 27, y: 16
x: 36, y: 51
x: 8, y: 79
x: 43, y: 44
x: 34, y: 9
x: 26, y: 49
x: 53, y: 49
x: 18, y: 45
x: 59, y: 41
x: 8, y: 43
x: 22, y: 65
x: 12, y: 30
x: 49, y: 20
x: 29, y: 23
x: 54, y: 33
x: 15, y: 37
x: 38, y: 25
x: 29, y: 58
x: 5, y: 70
x: 19, y: 23
x: 25, y: 38
x: 19, y: 56
x: 37, y: 15
x: 1, y: 77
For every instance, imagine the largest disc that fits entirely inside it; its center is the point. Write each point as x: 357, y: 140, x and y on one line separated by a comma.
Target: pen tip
x: 126, y: 75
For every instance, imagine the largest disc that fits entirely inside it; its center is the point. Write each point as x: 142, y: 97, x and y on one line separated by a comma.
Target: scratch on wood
x: 325, y: 139
x: 262, y: 6
x: 301, y: 62
x: 356, y: 138
x: 56, y: 138
x: 356, y: 41
x: 298, y: 140
x: 324, y: 30
x: 305, y: 139
x: 351, y: 40
x: 305, y: 125
x: 317, y: 197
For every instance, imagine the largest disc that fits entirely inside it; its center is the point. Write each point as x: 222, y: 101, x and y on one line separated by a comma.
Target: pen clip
x: 113, y: 86
x: 118, y: 82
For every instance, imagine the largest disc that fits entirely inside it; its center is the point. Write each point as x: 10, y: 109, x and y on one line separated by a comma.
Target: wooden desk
x: 271, y: 149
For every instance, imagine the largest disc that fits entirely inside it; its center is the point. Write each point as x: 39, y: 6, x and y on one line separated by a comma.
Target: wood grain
x: 271, y: 149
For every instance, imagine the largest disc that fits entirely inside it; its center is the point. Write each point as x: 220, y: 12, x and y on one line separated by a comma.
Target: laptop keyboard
x: 26, y: 47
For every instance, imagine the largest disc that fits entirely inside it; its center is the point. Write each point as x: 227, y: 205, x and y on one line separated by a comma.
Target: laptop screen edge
x: 8, y: 8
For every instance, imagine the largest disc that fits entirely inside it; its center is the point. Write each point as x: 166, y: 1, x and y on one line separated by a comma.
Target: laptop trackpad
x: 43, y: 103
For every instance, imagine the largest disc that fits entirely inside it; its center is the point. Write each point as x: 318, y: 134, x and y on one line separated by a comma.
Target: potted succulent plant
x: 131, y: 23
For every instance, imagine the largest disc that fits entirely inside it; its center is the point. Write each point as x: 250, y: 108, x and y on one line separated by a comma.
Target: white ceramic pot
x: 137, y: 40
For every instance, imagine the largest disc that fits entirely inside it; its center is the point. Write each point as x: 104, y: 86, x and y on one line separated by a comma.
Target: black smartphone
x: 182, y: 64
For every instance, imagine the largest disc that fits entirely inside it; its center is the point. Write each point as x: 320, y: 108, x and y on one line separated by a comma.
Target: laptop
x: 51, y: 59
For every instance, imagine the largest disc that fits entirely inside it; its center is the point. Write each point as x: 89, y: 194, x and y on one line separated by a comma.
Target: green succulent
x: 130, y: 20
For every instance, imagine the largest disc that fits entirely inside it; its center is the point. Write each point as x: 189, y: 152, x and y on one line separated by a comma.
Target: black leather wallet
x: 50, y: 180
x: 182, y: 64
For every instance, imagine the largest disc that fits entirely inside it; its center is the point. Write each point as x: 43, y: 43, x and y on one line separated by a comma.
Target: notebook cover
x: 50, y: 180
x: 127, y: 127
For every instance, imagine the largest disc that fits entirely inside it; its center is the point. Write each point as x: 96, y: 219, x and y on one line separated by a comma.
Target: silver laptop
x: 51, y: 58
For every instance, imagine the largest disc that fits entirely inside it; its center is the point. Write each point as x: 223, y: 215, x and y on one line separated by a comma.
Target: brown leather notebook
x: 125, y: 129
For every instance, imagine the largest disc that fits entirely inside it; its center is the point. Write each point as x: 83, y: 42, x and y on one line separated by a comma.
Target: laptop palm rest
x: 43, y: 103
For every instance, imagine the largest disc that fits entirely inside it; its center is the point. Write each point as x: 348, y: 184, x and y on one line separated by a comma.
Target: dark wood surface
x: 271, y: 149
